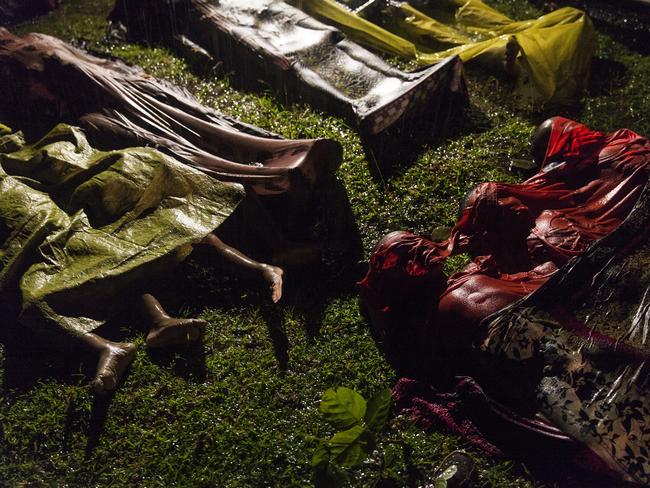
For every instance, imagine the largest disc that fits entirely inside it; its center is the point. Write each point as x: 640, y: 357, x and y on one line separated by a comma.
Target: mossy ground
x: 241, y: 410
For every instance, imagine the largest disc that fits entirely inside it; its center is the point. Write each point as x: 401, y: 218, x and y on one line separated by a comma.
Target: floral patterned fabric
x: 552, y: 316
x: 582, y: 376
x: 604, y: 403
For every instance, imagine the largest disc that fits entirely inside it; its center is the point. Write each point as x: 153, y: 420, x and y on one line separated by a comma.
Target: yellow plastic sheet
x: 362, y: 30
x: 550, y: 56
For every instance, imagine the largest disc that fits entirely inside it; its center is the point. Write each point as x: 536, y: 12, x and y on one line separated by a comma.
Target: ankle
x: 153, y: 310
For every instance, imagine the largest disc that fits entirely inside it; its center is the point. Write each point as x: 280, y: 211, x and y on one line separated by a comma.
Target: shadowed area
x: 247, y: 423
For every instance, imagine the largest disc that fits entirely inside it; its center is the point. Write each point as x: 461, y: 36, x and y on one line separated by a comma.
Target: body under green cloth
x: 80, y: 227
x: 549, y: 56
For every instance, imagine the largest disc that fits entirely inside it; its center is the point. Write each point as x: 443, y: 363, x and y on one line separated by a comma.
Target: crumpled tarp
x: 552, y: 54
x: 306, y: 60
x: 552, y: 316
x: 79, y: 227
x: 47, y: 81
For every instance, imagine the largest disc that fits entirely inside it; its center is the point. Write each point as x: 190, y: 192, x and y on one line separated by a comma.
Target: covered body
x: 304, y: 59
x: 519, y: 237
x: 550, y: 56
x: 79, y: 227
x: 46, y: 80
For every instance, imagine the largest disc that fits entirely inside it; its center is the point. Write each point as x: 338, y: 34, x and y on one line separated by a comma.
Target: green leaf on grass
x: 448, y: 473
x: 378, y: 410
x: 321, y: 455
x: 348, y: 448
x: 342, y: 407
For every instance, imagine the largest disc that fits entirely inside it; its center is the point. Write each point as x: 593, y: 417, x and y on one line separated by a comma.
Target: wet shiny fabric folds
x: 584, y: 338
x: 549, y: 56
x: 588, y: 184
x: 304, y: 59
x: 80, y: 227
x: 123, y: 105
x: 562, y: 320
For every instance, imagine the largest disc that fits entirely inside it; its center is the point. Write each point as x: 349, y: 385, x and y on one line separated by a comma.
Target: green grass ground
x: 242, y: 410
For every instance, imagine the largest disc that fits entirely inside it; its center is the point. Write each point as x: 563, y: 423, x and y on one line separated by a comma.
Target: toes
x: 196, y: 329
x: 201, y: 326
x: 199, y: 323
x: 193, y: 334
x: 276, y: 292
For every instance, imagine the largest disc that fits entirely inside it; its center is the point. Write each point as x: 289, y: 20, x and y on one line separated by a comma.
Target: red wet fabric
x: 518, y: 234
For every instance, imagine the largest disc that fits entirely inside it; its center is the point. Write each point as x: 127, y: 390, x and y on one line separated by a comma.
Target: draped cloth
x: 553, y: 309
x: 520, y: 234
x: 305, y: 60
x: 46, y: 80
x: 80, y: 227
x: 550, y: 56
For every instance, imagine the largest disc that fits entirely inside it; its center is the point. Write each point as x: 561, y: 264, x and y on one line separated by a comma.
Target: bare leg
x: 271, y: 274
x: 114, y: 358
x: 166, y: 330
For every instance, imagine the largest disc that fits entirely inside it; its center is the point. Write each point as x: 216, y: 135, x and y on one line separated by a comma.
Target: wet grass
x: 241, y: 410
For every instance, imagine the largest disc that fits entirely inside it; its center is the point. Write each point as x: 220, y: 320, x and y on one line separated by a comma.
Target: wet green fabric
x: 79, y: 227
x: 552, y: 54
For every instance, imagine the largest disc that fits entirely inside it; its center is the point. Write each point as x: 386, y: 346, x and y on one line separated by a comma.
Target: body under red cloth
x: 517, y: 234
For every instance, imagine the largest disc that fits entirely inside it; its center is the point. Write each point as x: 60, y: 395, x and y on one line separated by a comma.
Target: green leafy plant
x: 358, y: 422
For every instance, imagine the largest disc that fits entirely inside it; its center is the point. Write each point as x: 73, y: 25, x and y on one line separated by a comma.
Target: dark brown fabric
x: 46, y: 80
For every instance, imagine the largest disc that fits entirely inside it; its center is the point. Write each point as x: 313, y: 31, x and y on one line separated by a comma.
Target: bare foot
x: 273, y: 276
x: 114, y: 358
x: 169, y: 331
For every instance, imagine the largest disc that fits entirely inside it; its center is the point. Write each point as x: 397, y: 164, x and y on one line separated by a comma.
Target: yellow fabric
x: 363, y: 31
x: 552, y: 54
x: 423, y: 29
